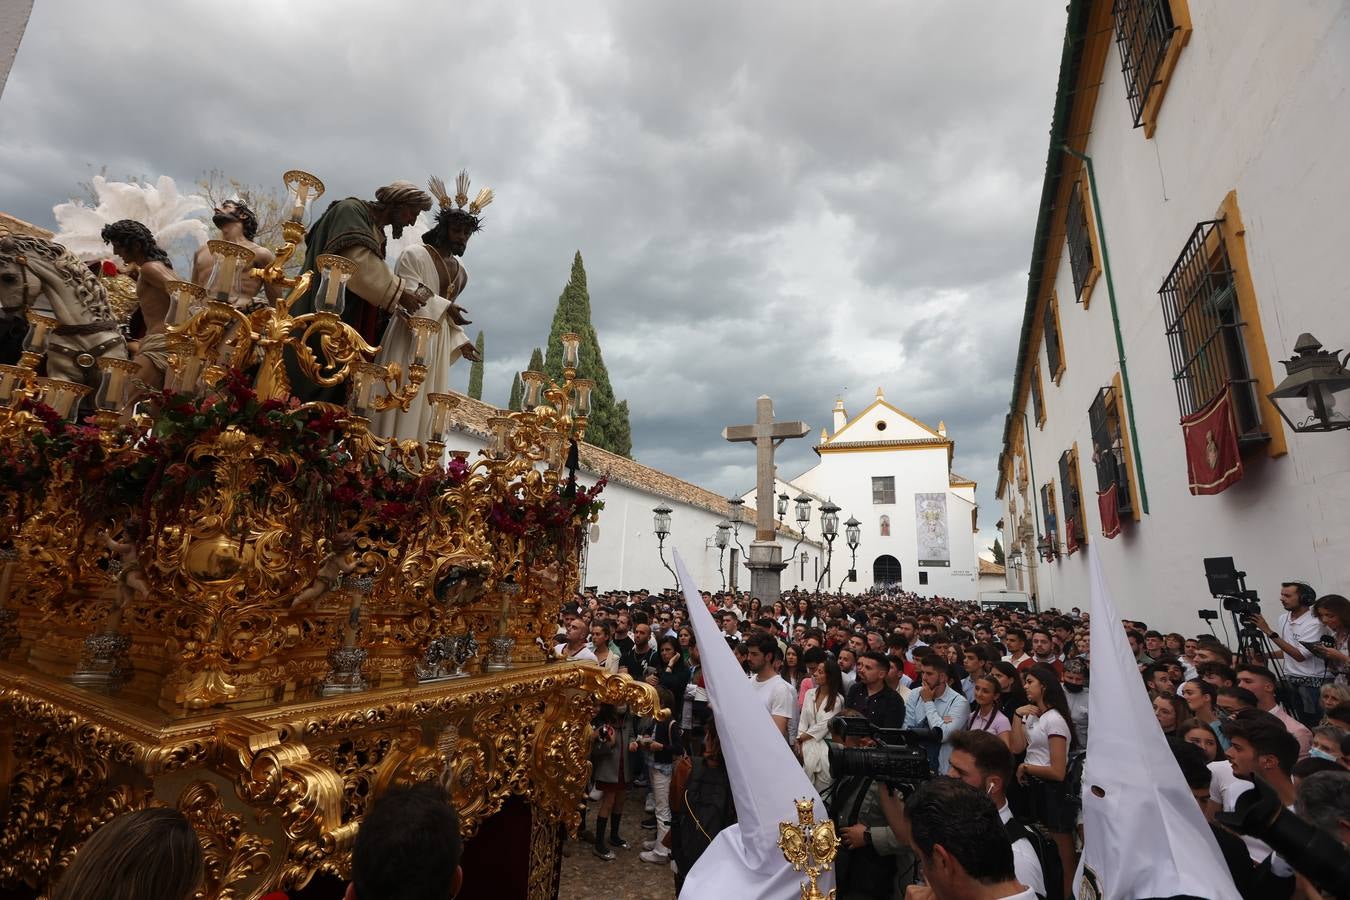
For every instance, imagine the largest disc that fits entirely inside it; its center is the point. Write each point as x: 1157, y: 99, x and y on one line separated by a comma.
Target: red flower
x: 109, y: 268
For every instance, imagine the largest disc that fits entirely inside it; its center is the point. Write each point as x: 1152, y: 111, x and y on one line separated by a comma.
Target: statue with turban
x: 354, y: 228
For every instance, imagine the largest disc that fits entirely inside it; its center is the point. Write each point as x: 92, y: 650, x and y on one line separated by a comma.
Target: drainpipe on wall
x: 1115, y: 322
x: 1034, y: 563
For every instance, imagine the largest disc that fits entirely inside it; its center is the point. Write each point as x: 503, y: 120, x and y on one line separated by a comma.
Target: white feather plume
x: 172, y: 217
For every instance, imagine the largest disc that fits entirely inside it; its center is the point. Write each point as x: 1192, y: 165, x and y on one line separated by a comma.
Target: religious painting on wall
x: 930, y: 525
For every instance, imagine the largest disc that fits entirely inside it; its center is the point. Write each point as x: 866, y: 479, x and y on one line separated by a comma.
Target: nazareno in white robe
x: 447, y: 345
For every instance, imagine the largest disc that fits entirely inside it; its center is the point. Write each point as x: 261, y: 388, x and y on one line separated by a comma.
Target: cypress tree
x: 537, y: 360
x: 997, y: 550
x: 476, y: 371
x: 609, y: 426
x: 517, y: 394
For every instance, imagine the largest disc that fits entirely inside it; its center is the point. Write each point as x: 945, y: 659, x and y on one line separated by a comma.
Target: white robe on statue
x: 446, y: 346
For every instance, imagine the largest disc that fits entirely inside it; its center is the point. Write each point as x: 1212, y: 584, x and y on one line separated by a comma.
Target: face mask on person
x: 1319, y: 753
x: 1073, y: 688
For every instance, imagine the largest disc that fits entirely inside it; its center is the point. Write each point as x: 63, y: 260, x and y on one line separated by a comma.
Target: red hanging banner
x: 1070, y: 537
x: 1108, y: 504
x: 1212, y: 457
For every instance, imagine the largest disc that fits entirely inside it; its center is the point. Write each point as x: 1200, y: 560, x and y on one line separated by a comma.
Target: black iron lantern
x: 853, y: 532
x: 661, y: 521
x: 803, y: 509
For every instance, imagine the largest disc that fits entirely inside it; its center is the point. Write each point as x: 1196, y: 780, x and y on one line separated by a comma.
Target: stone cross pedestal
x: 766, y: 554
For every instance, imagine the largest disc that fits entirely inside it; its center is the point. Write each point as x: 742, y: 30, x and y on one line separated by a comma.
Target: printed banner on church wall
x: 930, y: 525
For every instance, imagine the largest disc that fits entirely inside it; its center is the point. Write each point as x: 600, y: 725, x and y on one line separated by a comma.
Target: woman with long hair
x: 822, y: 703
x: 145, y: 853
x: 671, y: 673
x: 1334, y: 611
x: 805, y: 614
x: 609, y: 755
x: 985, y: 714
x: 1170, y: 711
x: 686, y: 639
x: 780, y: 614
x: 1043, y: 730
x: 794, y: 673
x: 602, y: 631
x: 1011, y: 693
x: 1193, y: 731
x: 1201, y: 698
x: 754, y: 610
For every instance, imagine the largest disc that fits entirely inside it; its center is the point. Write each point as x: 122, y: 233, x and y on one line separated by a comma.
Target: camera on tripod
x: 1229, y: 586
x: 899, y: 762
x: 1242, y: 606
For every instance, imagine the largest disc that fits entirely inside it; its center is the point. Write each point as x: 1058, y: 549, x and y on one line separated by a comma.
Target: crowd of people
x: 991, y: 705
x: 995, y: 698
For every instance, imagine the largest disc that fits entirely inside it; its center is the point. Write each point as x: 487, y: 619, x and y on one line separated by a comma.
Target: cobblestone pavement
x: 587, y: 877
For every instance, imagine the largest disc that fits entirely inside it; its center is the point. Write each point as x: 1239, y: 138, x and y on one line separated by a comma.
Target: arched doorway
x: 886, y: 571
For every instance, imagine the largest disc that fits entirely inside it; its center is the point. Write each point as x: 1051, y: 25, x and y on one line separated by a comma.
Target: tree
x: 997, y: 550
x: 609, y: 425
x: 476, y: 371
x: 517, y: 394
x: 537, y: 360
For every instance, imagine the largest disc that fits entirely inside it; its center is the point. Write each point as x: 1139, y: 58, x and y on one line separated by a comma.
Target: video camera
x: 1313, y: 853
x: 899, y: 762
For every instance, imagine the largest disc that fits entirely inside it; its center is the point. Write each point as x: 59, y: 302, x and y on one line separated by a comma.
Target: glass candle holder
x: 112, y: 389
x: 501, y: 428
x: 64, y: 397
x: 422, y: 329
x: 555, y: 449
x: 334, y: 272
x: 185, y: 300
x: 40, y: 328
x: 582, y: 402
x: 533, y: 383
x: 227, y: 273
x: 12, y: 380
x: 441, y: 405
x: 302, y: 187
x: 571, y: 350
x: 365, y: 376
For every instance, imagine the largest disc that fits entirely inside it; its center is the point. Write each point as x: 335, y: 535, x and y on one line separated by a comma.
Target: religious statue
x: 331, y: 569
x: 43, y: 275
x: 136, y: 246
x: 434, y: 262
x: 239, y: 225
x: 126, y: 564
x: 354, y: 228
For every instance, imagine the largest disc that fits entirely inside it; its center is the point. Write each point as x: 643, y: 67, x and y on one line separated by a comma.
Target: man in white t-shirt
x: 1304, y: 670
x: 776, y: 694
x: 576, y: 648
x: 984, y: 762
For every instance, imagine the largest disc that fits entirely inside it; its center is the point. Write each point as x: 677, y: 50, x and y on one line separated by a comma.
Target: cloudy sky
x: 803, y: 199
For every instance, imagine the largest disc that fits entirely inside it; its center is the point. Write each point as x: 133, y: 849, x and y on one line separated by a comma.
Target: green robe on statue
x: 347, y: 229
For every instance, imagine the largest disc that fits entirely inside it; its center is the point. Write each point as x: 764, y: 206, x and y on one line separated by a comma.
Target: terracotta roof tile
x: 472, y: 415
x: 19, y: 226
x: 990, y: 568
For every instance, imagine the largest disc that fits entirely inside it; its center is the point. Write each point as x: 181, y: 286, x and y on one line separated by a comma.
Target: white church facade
x: 917, y: 518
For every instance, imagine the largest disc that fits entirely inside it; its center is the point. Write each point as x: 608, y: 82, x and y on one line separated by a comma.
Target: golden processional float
x: 222, y: 599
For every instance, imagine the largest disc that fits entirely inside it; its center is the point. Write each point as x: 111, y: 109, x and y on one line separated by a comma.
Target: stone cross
x: 766, y: 435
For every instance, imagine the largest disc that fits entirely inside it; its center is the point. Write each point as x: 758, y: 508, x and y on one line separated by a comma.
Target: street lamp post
x: 803, y: 516
x: 722, y: 539
x: 782, y: 507
x: 829, y: 529
x: 661, y: 525
x: 853, y: 534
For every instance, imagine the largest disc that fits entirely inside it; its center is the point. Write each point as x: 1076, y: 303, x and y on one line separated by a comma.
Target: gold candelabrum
x: 220, y: 597
x: 809, y: 846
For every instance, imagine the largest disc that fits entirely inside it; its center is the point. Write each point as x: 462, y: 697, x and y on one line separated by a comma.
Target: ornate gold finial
x: 809, y: 846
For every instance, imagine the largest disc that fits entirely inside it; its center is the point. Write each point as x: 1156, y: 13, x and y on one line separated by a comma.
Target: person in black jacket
x: 671, y: 673
x: 700, y: 806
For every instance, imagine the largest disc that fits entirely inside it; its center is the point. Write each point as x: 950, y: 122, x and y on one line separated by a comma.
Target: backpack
x: 707, y: 808
x: 1047, y: 851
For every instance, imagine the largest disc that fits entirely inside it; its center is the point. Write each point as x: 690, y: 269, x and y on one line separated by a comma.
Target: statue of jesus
x: 434, y: 262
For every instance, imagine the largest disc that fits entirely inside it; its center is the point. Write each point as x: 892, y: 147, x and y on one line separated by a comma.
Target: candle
x: 330, y: 296
x: 301, y: 193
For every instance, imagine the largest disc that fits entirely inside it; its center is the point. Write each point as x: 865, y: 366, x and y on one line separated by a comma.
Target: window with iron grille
x: 1037, y: 398
x: 1108, y: 447
x: 1054, y: 353
x: 1144, y: 30
x: 1073, y: 499
x: 1205, y: 331
x: 1048, y: 511
x: 883, y: 490
x: 1081, y: 258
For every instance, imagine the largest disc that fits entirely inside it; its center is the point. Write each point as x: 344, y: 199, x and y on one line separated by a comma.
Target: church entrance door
x: 886, y: 571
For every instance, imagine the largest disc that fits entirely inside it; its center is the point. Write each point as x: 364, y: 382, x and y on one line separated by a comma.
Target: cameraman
x: 867, y: 863
x: 1297, y: 626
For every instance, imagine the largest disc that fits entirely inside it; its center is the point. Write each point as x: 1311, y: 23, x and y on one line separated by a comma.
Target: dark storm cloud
x: 800, y: 199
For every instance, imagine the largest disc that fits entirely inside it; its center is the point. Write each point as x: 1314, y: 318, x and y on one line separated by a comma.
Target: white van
x: 1016, y: 600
